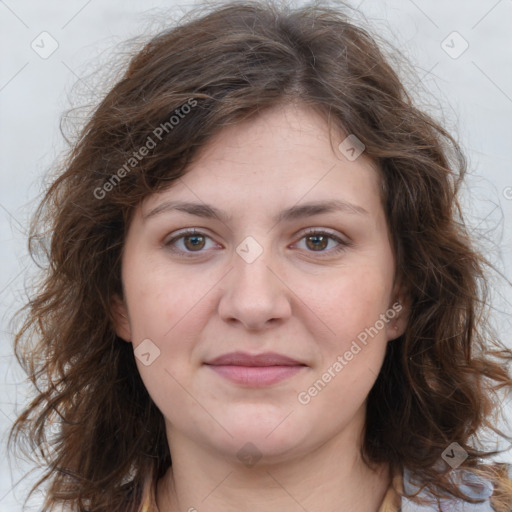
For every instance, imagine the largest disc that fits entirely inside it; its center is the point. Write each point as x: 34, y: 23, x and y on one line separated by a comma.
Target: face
x: 301, y: 302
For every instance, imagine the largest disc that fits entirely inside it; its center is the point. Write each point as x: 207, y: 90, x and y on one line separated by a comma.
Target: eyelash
x: 310, y: 232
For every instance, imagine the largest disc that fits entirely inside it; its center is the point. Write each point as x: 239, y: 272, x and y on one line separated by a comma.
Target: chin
x: 273, y: 435
x: 250, y: 450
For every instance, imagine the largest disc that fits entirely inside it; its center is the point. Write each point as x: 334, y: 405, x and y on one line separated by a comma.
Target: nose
x: 254, y: 295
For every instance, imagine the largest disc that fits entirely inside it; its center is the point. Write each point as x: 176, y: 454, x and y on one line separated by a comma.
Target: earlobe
x: 399, y: 316
x: 120, y: 318
x: 396, y: 328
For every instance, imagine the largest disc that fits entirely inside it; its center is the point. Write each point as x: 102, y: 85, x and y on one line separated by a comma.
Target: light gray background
x: 473, y: 91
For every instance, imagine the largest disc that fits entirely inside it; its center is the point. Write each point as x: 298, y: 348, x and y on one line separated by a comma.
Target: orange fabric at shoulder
x: 392, y: 500
x: 501, y: 499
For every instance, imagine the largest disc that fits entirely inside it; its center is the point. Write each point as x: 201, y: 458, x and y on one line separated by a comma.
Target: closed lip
x: 244, y: 359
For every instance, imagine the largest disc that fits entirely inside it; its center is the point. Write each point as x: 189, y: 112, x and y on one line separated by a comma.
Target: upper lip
x: 243, y: 359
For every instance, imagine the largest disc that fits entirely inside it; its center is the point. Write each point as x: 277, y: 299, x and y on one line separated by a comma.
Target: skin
x: 290, y: 300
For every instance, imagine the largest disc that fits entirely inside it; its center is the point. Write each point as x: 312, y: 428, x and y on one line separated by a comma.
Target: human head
x: 257, y: 58
x: 252, y: 286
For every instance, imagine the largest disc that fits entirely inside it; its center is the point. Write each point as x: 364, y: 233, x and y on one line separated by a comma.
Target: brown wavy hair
x: 100, y: 437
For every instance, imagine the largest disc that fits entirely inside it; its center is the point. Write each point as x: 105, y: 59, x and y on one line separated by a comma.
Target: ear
x: 120, y: 318
x: 398, y: 313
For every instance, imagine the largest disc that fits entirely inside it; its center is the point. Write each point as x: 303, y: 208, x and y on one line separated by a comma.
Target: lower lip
x: 256, y: 375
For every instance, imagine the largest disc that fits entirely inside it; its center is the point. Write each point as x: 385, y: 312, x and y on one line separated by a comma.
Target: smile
x: 255, y: 370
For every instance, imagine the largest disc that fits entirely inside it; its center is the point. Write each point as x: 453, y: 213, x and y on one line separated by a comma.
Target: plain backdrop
x: 460, y: 51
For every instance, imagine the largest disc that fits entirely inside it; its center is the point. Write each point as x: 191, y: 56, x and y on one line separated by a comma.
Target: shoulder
x: 495, y: 490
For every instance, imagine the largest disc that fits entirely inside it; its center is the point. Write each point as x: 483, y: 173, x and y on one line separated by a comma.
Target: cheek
x: 351, y: 355
x: 169, y: 308
x: 353, y: 299
x: 159, y: 295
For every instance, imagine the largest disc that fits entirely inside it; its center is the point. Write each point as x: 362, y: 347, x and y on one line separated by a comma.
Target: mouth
x: 255, y: 370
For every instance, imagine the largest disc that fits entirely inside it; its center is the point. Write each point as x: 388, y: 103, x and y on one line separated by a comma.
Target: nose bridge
x: 253, y: 294
x: 254, y: 273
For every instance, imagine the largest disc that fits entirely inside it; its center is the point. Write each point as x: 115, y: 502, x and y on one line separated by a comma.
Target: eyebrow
x: 295, y: 212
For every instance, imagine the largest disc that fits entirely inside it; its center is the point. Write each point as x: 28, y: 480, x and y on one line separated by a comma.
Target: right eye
x: 193, y: 241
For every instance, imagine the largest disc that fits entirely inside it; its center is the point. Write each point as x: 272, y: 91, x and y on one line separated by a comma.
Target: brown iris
x: 323, y: 240
x: 194, y: 244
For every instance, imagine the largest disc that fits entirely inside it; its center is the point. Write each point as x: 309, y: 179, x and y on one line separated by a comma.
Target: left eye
x: 318, y: 240
x: 194, y: 241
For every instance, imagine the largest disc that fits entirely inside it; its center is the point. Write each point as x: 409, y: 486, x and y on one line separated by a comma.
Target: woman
x: 260, y: 294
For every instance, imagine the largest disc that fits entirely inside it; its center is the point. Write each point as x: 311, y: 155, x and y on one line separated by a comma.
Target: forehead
x: 282, y: 156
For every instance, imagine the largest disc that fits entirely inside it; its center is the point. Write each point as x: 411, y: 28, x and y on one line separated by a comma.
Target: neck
x: 329, y: 478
